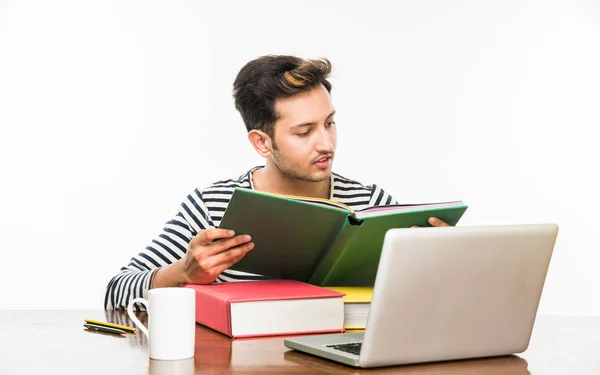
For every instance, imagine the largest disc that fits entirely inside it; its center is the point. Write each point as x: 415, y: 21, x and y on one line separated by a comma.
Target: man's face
x: 305, y: 135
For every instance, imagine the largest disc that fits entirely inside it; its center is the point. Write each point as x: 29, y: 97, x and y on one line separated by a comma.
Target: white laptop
x: 446, y: 293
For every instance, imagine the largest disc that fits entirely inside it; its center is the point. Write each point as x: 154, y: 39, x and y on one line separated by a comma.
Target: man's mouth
x: 323, y: 162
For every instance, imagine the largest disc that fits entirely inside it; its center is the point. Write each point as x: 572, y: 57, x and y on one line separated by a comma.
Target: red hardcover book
x: 268, y: 308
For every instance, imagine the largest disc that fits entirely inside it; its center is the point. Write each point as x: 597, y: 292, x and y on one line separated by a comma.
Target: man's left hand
x: 435, y: 222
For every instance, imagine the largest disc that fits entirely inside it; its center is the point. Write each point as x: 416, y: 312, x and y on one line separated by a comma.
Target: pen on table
x: 105, y: 324
x: 95, y: 327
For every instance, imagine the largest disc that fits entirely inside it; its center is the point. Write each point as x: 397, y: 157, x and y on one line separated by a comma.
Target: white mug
x: 171, y: 322
x: 182, y: 367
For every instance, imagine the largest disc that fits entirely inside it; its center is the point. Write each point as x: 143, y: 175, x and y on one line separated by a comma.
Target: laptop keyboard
x: 351, y: 347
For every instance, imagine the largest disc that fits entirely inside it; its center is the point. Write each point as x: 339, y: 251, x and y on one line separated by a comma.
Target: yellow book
x: 357, y: 302
x: 354, y: 294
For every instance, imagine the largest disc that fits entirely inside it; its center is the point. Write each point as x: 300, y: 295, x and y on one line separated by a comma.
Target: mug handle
x: 136, y: 321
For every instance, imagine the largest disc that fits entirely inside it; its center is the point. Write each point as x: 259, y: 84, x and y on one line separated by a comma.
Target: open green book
x: 319, y: 241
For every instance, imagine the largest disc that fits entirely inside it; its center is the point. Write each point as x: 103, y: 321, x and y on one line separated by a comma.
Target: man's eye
x: 303, y: 134
x: 330, y: 124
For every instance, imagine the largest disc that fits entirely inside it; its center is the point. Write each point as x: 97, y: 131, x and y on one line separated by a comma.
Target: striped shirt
x: 204, y: 209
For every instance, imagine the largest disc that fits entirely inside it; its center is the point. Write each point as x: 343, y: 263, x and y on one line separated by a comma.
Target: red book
x: 268, y: 308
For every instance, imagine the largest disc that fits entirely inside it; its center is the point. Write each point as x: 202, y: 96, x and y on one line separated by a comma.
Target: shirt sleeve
x: 380, y: 198
x: 135, y: 279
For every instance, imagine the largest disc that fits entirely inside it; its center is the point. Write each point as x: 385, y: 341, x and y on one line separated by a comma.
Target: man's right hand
x: 209, y: 253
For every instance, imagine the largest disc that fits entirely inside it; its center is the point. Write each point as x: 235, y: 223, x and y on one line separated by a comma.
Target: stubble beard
x: 289, y: 170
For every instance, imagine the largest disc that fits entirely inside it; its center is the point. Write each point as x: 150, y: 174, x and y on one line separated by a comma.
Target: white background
x: 111, y: 112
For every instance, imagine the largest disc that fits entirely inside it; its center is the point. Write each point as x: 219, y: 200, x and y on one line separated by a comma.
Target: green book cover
x: 353, y: 257
x: 290, y: 236
x: 319, y: 241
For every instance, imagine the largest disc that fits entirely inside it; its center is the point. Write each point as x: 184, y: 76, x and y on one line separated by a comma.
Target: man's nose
x: 324, y: 143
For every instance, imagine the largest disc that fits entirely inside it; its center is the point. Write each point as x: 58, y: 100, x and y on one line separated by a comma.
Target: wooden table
x: 54, y: 342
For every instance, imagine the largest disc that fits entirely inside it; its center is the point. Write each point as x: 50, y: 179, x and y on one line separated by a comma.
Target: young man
x: 286, y: 106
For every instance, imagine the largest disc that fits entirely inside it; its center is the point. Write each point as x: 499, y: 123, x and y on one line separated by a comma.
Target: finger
x: 227, y: 258
x: 205, y: 237
x: 226, y: 244
x: 226, y: 265
x: 414, y: 226
x: 437, y: 222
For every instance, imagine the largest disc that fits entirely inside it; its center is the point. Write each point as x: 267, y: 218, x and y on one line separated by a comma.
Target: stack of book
x: 357, y: 302
x: 268, y: 308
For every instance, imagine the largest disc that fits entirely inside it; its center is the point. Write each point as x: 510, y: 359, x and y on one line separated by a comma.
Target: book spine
x: 213, y: 312
x: 328, y: 263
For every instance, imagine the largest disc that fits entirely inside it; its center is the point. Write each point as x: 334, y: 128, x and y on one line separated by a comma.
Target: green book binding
x: 319, y: 241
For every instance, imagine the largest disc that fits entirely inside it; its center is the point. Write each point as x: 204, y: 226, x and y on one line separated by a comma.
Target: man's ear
x: 261, y: 142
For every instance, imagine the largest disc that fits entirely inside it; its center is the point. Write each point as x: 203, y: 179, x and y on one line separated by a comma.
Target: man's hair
x: 265, y: 79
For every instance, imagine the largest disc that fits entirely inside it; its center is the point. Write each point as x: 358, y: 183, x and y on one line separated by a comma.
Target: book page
x: 321, y: 201
x: 392, y: 208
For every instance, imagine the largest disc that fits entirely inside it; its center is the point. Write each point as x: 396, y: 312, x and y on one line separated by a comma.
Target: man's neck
x: 270, y: 180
